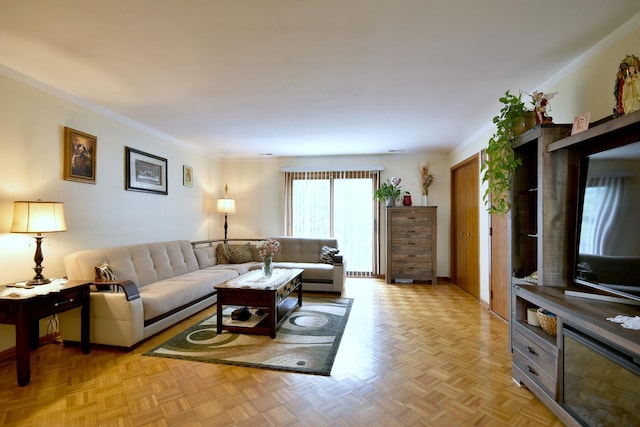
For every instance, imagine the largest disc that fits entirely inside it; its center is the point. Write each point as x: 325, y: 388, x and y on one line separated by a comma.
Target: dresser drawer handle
x: 532, y: 371
x: 532, y: 351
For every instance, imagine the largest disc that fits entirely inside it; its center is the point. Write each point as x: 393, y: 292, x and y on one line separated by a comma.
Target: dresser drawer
x: 412, y: 232
x: 534, y: 352
x: 409, y: 219
x: 405, y: 270
x: 411, y: 258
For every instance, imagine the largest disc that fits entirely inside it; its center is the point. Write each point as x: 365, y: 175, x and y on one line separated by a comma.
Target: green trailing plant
x: 500, y: 160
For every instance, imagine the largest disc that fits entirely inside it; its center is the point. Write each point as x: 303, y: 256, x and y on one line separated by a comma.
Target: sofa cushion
x: 161, y: 297
x: 313, y: 271
x: 206, y: 256
x: 237, y: 268
x: 142, y: 264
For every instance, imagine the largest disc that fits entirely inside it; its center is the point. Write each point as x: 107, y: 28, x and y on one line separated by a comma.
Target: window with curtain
x: 602, y: 201
x: 336, y: 204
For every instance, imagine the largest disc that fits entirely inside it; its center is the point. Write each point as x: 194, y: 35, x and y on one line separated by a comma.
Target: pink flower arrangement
x: 268, y: 247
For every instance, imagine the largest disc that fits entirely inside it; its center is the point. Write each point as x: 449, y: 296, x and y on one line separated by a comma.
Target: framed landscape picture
x: 145, y: 172
x: 80, y: 152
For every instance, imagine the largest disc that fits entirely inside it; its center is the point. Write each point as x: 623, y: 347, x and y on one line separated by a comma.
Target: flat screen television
x: 607, y: 259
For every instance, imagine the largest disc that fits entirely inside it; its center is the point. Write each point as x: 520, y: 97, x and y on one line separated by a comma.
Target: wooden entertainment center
x: 542, y: 237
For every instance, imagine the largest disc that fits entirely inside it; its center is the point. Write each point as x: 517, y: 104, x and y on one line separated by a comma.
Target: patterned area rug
x: 306, y: 342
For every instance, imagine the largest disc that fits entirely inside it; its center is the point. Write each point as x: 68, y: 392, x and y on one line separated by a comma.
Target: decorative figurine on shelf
x: 627, y: 88
x: 541, y: 106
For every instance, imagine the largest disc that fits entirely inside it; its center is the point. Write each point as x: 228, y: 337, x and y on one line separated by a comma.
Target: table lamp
x: 226, y: 206
x: 38, y: 217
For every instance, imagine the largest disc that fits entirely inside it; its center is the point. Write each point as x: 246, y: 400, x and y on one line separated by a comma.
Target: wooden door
x: 499, y: 276
x: 465, y: 217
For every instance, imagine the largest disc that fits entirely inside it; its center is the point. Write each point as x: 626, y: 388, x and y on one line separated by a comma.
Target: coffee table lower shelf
x: 260, y: 298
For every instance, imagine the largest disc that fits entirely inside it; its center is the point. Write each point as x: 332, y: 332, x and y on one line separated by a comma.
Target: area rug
x: 306, y: 342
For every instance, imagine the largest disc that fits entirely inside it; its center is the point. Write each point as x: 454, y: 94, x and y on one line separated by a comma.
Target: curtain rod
x: 332, y: 168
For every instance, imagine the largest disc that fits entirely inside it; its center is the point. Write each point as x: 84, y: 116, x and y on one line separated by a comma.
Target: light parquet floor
x: 410, y: 355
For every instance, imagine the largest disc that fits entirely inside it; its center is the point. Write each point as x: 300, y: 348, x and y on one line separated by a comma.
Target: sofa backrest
x: 142, y: 264
x: 302, y: 249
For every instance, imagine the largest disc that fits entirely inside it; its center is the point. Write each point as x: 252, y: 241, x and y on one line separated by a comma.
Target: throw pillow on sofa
x: 226, y: 254
x: 104, y: 272
x: 328, y: 254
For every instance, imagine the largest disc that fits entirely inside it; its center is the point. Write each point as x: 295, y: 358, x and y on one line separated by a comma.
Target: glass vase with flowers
x: 267, y: 249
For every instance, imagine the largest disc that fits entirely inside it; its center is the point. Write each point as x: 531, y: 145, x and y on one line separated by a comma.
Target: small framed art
x: 145, y: 172
x: 80, y: 152
x: 187, y: 176
x: 580, y: 123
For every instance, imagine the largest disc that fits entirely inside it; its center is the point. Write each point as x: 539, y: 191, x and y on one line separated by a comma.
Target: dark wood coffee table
x: 274, y: 294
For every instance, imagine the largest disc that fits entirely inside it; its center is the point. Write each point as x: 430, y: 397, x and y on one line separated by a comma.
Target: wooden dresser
x: 411, y: 244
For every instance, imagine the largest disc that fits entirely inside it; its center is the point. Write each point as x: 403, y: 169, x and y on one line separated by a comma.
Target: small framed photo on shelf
x: 187, y: 176
x: 145, y: 172
x: 580, y: 123
x: 80, y: 152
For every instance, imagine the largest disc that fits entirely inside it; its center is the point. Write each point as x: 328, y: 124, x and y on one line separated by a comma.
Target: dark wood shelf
x: 623, y: 130
x: 587, y: 313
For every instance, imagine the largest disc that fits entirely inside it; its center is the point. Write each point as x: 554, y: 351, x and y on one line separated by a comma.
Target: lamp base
x: 38, y: 281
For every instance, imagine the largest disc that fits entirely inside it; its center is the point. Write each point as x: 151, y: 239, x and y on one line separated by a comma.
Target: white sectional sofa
x: 295, y: 252
x: 159, y: 284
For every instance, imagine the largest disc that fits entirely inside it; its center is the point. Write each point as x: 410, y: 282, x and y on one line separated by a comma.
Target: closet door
x: 464, y: 240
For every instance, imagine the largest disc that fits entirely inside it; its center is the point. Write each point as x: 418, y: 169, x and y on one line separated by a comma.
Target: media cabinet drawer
x: 533, y: 351
x: 535, y: 372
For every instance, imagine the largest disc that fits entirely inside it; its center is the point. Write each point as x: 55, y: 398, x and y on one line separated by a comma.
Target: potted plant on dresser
x: 389, y: 192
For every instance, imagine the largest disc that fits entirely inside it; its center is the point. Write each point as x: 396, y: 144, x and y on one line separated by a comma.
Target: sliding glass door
x: 340, y: 205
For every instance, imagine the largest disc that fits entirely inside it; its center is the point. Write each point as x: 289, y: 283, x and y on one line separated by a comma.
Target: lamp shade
x: 226, y: 206
x: 38, y: 217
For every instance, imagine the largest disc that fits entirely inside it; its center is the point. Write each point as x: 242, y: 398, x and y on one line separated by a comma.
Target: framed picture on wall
x: 187, y: 176
x: 80, y: 152
x: 145, y: 172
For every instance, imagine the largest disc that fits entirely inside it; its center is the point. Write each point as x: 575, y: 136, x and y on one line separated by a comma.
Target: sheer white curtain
x: 336, y: 204
x: 602, y: 201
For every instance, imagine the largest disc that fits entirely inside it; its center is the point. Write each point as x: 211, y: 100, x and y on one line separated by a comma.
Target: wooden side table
x: 25, y: 311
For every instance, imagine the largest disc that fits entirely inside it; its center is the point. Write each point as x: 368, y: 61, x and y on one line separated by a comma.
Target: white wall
x: 104, y: 214
x: 257, y: 185
x: 585, y: 85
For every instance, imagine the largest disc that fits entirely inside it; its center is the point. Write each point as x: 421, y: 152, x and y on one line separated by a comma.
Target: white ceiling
x: 241, y: 78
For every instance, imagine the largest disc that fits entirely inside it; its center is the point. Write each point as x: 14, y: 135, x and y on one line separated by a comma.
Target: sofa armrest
x: 339, y: 273
x: 127, y: 286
